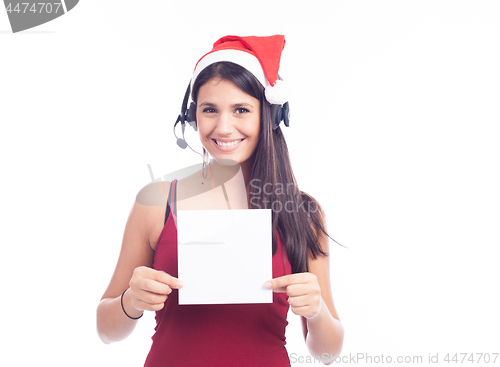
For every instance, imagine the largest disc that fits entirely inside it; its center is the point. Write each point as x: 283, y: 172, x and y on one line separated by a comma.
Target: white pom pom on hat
x: 259, y: 55
x: 279, y: 93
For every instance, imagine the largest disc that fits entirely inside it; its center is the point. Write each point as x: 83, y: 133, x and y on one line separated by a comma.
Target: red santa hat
x: 259, y: 55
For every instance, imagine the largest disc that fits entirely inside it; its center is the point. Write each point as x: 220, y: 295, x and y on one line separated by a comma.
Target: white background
x: 395, y: 115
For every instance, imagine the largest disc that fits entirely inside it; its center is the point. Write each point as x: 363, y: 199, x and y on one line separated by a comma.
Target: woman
x: 237, y: 106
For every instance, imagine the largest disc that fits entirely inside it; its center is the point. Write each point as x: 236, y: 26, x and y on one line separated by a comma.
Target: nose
x: 224, y: 124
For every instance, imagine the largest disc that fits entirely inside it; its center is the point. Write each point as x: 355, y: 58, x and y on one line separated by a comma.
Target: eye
x: 241, y: 110
x: 209, y: 110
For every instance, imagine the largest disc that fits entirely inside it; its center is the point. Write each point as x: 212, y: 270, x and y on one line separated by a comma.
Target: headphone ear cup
x: 191, y: 116
x: 286, y: 114
x: 276, y: 115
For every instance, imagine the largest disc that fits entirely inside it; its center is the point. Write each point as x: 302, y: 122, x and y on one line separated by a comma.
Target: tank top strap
x: 172, y: 198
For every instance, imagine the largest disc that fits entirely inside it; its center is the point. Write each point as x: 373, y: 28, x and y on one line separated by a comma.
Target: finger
x: 278, y: 284
x: 154, y: 286
x: 269, y: 285
x: 307, y: 311
x: 150, y: 298
x: 160, y: 276
x: 143, y: 300
x: 167, y: 279
x: 280, y: 290
x: 302, y: 311
x: 142, y: 282
x: 274, y: 288
x: 282, y: 282
x: 148, y: 307
x: 300, y: 301
x: 295, y: 290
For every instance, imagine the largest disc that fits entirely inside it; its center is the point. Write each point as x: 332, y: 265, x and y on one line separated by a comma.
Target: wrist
x: 320, y: 314
x: 128, y: 309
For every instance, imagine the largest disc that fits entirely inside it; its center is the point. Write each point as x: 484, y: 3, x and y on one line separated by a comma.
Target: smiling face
x: 228, y: 120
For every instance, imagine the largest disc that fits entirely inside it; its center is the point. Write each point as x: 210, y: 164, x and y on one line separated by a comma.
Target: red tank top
x: 243, y: 335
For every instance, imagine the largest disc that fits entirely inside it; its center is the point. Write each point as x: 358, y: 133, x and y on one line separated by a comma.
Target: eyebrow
x: 236, y: 105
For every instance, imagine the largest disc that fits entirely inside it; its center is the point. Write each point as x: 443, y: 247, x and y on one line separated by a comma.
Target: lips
x: 228, y: 146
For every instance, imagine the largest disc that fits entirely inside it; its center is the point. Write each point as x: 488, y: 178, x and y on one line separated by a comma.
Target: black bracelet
x: 121, y: 301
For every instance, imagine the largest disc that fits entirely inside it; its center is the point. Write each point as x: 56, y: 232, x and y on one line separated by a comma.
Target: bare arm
x: 310, y: 296
x: 323, y: 333
x: 147, y: 289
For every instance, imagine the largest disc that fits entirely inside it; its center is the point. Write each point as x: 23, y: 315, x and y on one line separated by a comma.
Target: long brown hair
x: 296, y: 215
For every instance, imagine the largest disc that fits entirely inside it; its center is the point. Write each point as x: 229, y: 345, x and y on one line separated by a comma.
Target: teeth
x: 222, y: 144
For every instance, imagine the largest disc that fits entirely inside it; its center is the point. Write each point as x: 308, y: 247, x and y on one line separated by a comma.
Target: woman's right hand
x: 149, y: 288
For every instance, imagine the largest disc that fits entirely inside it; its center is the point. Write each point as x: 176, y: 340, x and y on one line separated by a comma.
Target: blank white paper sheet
x: 224, y: 256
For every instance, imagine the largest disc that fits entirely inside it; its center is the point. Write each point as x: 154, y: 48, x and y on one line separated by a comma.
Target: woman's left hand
x: 304, y: 293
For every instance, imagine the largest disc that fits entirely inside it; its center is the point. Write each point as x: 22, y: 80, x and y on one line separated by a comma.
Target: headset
x: 188, y: 115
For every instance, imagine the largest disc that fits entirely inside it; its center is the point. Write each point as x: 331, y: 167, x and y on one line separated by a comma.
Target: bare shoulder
x: 153, y: 194
x: 151, y: 202
x: 142, y: 230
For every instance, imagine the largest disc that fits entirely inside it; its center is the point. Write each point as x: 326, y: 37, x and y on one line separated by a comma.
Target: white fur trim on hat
x: 242, y: 58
